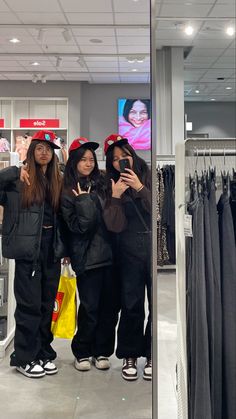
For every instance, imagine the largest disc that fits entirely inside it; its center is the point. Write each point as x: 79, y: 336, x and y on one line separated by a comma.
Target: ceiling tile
x: 132, y: 18
x: 33, y: 6
x: 88, y: 6
x: 211, y: 43
x: 8, y: 18
x: 93, y: 32
x: 136, y: 31
x: 132, y: 40
x: 130, y: 6
x: 98, y: 49
x: 42, y: 18
x: 106, y: 40
x: 90, y: 18
x: 136, y: 49
x: 224, y: 10
x: 196, y: 10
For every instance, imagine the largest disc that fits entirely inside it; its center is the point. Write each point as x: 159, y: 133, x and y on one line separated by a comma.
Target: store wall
x: 70, y: 90
x: 99, y: 108
x: 218, y: 119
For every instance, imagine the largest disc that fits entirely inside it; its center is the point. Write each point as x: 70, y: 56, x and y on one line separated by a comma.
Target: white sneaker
x: 147, y: 372
x: 48, y: 366
x: 101, y: 363
x: 83, y: 364
x: 32, y: 370
x: 129, y: 369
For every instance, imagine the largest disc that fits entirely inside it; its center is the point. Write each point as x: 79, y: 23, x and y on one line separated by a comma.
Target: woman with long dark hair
x: 30, y: 197
x: 127, y: 214
x: 91, y: 256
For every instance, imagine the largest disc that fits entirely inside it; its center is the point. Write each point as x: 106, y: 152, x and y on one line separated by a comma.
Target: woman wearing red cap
x: 91, y: 256
x: 30, y: 197
x: 127, y: 214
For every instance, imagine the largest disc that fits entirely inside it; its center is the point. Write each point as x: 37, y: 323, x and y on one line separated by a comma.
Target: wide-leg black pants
x: 35, y: 296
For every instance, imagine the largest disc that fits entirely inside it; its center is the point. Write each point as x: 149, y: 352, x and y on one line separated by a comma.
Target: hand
x: 66, y: 260
x: 118, y: 188
x: 80, y: 192
x: 24, y: 175
x: 131, y: 179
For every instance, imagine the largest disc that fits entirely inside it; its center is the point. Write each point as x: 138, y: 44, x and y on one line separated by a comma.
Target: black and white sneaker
x: 48, y: 366
x: 32, y: 370
x: 129, y: 369
x: 147, y: 372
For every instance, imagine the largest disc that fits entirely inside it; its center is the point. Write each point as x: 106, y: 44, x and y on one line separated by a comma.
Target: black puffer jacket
x: 89, y: 241
x: 21, y: 228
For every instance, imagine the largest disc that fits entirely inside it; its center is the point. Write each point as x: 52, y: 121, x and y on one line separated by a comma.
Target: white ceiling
x: 122, y: 26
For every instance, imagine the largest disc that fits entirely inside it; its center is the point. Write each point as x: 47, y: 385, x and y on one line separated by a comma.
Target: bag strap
x: 139, y: 214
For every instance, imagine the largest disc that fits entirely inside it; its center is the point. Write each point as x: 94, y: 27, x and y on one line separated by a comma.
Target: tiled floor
x: 96, y: 394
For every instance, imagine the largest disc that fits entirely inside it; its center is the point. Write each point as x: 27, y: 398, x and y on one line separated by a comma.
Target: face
x: 86, y: 165
x: 118, y: 154
x: 138, y: 114
x: 43, y: 154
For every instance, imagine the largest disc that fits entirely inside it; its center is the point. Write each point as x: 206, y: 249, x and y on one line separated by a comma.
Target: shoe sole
x: 51, y: 372
x: 129, y: 378
x: 102, y: 369
x: 26, y: 374
x: 82, y: 369
x: 145, y: 377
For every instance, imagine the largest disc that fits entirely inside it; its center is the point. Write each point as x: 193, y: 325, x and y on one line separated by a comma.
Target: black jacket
x: 89, y: 241
x: 22, y: 227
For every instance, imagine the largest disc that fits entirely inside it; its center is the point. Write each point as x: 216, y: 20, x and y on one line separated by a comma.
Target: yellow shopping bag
x: 64, y: 312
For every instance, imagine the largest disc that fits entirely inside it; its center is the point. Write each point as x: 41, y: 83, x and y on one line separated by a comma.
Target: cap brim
x: 119, y: 143
x: 53, y: 145
x: 90, y: 144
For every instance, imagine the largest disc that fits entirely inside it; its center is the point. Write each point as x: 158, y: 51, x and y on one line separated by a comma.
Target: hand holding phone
x: 124, y: 164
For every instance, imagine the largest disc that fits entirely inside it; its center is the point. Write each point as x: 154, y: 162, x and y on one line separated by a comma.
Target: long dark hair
x: 129, y: 104
x: 41, y: 183
x: 72, y: 177
x: 140, y: 167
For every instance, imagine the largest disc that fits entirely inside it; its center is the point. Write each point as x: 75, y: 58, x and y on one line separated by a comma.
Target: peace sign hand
x: 80, y: 192
x: 24, y: 175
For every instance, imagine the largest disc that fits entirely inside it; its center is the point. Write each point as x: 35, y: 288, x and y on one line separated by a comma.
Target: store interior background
x: 93, y: 72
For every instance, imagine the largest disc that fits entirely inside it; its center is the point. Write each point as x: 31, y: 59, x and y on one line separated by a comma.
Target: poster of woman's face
x: 135, y: 122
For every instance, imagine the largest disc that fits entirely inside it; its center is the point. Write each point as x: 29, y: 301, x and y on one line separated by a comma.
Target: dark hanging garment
x: 197, y: 326
x: 168, y: 210
x: 228, y: 289
x: 212, y: 258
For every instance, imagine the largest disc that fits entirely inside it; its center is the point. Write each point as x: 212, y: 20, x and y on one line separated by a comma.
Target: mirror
x: 64, y: 66
x: 195, y: 79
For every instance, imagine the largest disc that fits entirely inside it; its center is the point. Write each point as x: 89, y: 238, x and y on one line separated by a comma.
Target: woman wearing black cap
x: 30, y: 197
x: 127, y: 213
x: 91, y: 256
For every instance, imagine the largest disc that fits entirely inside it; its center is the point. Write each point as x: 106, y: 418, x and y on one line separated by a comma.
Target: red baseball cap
x: 48, y: 136
x: 114, y: 140
x: 83, y: 142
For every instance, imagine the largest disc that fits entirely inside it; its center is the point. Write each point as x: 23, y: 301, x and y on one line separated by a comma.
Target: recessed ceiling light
x: 35, y: 63
x: 197, y: 91
x: 95, y: 41
x: 230, y: 31
x: 14, y: 40
x: 134, y: 69
x: 212, y: 100
x: 189, y: 30
x: 228, y: 88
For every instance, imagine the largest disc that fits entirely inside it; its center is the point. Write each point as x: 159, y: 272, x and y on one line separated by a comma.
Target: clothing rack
x: 185, y: 153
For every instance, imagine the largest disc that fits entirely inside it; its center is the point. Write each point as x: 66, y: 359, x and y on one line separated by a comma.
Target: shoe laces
x: 130, y: 362
x: 148, y: 363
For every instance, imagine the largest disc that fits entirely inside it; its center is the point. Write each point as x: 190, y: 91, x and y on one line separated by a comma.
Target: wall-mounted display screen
x: 134, y: 116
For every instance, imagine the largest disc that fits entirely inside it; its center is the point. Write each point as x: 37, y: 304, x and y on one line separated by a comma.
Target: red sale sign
x: 39, y: 123
x: 1, y: 123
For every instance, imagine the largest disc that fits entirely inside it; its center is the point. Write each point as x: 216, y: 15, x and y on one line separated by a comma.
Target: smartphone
x: 124, y: 164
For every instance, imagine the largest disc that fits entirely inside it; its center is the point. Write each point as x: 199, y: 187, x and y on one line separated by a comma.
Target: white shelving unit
x: 37, y: 111
x: 7, y: 269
